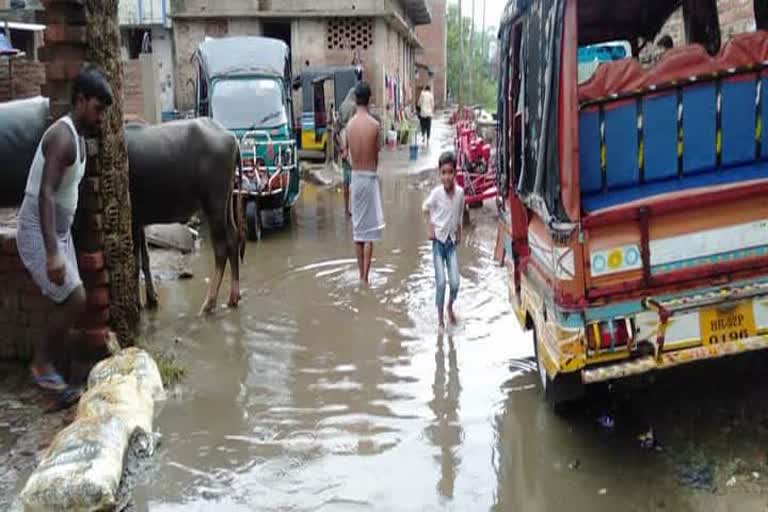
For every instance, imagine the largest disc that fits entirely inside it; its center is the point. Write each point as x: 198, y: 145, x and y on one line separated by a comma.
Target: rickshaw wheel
x: 253, y: 221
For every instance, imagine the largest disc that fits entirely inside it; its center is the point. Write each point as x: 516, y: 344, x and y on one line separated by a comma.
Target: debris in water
x: 186, y: 274
x: 602, y: 492
x: 648, y: 440
x: 699, y: 476
x: 575, y: 464
x: 731, y: 482
x: 606, y: 421
x: 755, y: 475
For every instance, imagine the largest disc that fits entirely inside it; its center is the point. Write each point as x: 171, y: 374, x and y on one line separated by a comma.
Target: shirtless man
x: 363, y: 143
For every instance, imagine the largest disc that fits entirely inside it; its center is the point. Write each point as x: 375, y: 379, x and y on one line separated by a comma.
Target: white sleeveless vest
x: 67, y: 195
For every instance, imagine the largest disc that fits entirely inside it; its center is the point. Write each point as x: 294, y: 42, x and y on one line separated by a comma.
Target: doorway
x: 278, y: 30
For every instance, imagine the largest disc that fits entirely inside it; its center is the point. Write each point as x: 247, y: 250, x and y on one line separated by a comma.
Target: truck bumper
x: 673, y: 358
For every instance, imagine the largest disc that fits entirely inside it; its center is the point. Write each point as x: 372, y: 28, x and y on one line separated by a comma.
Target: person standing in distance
x: 426, y: 112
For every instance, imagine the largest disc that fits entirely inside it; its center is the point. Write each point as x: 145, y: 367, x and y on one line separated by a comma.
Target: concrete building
x: 380, y: 35
x: 145, y: 27
x: 432, y: 61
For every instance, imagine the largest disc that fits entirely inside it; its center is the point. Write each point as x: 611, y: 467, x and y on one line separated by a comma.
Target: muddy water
x: 318, y: 394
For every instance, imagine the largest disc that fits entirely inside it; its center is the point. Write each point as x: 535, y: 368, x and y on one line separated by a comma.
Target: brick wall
x: 20, y: 78
x: 24, y: 310
x: 22, y: 306
x: 434, y: 55
x: 133, y: 90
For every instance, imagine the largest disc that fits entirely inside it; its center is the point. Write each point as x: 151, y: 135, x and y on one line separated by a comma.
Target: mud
x: 320, y: 394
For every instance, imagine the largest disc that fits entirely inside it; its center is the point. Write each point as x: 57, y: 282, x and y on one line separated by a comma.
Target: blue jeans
x: 444, y: 254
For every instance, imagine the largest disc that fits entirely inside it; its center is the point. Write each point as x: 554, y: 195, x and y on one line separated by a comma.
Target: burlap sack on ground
x: 120, y: 396
x: 131, y: 361
x: 82, y: 468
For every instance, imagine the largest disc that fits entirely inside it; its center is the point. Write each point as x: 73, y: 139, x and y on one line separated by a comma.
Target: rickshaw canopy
x: 243, y: 56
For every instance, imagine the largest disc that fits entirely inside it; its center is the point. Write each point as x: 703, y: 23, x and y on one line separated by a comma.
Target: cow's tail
x: 237, y: 211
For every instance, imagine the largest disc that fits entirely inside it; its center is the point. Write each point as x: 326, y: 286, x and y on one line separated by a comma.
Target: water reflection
x: 446, y: 432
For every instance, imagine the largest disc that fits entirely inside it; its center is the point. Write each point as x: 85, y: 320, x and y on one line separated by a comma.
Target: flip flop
x: 64, y: 399
x: 50, y: 382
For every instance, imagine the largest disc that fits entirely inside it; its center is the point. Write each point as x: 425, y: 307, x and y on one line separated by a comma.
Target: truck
x: 632, y: 197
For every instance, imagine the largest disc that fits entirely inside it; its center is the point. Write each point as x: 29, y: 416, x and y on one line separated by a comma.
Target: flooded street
x: 318, y: 394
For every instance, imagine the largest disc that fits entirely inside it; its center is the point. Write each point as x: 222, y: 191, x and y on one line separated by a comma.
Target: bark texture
x: 110, y: 164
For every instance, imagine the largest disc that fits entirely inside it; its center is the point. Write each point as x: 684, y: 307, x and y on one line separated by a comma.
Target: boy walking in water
x: 443, y: 211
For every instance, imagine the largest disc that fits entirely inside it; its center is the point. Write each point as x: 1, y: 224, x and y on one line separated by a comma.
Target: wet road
x: 318, y: 394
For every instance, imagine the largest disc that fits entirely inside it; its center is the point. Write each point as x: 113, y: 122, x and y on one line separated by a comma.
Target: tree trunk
x: 110, y: 164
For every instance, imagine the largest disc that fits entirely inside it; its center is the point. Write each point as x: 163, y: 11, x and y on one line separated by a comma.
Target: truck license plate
x: 723, y: 325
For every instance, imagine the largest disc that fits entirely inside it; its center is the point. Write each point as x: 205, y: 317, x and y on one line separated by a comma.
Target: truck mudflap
x: 732, y: 340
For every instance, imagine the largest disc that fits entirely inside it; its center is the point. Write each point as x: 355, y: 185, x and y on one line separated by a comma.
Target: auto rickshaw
x: 245, y: 84
x: 316, y: 116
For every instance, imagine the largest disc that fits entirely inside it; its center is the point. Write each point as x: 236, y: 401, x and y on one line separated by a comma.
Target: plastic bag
x: 131, y: 361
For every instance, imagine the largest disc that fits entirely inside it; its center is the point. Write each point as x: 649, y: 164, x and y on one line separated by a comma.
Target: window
x: 349, y: 33
x: 249, y: 103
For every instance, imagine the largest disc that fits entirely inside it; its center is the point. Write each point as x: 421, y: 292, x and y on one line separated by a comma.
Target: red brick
x: 91, y: 202
x: 95, y: 338
x: 33, y: 303
x: 63, y: 13
x: 91, y: 261
x: 11, y: 265
x: 95, y: 318
x: 91, y: 185
x: 65, y: 34
x: 93, y: 221
x: 98, y: 278
x: 62, y: 70
x: 98, y: 297
x: 91, y: 240
x: 8, y: 245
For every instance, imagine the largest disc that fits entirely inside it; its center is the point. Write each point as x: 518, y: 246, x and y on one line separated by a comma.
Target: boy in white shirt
x: 443, y: 212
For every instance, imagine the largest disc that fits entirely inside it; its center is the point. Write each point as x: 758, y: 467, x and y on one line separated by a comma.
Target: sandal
x: 49, y: 382
x: 64, y: 400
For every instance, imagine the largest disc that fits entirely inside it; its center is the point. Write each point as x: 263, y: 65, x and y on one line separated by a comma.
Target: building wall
x: 736, y: 17
x: 214, y: 6
x: 27, y: 78
x: 310, y: 43
x: 187, y: 36
x: 434, y: 39
x: 322, y: 7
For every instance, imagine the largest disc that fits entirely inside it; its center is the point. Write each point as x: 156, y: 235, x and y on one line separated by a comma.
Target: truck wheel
x: 562, y: 391
x: 253, y: 221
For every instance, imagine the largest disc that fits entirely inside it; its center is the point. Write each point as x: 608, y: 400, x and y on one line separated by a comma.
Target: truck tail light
x: 610, y: 335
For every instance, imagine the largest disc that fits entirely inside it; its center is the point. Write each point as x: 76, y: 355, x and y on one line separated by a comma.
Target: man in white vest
x: 45, y: 218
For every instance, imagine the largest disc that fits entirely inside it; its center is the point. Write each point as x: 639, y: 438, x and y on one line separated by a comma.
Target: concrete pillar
x: 149, y: 83
x: 381, y: 32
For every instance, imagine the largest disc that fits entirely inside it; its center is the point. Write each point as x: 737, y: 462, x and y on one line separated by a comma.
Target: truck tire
x: 253, y: 221
x: 562, y: 391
